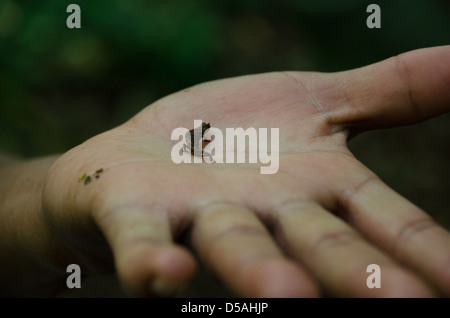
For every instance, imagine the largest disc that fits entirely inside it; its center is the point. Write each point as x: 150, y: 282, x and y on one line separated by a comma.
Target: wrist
x: 25, y: 241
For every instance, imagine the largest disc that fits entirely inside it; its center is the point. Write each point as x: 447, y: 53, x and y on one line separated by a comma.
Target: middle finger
x: 339, y: 257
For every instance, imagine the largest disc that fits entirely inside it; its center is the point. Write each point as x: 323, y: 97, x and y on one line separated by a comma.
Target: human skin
x: 310, y: 229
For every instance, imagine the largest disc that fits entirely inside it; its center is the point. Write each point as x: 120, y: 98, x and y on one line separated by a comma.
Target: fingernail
x: 162, y: 288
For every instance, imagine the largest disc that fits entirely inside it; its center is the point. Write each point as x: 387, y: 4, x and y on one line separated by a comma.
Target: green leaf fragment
x: 87, y: 180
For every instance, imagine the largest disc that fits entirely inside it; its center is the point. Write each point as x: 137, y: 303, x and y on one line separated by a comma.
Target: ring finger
x: 234, y: 243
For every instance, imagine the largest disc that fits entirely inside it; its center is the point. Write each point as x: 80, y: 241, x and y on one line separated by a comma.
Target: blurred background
x: 60, y: 86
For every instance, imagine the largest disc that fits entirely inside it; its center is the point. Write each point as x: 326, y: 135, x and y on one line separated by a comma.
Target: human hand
x: 313, y: 226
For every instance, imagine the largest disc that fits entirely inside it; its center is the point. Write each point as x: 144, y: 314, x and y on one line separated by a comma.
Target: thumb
x: 401, y: 90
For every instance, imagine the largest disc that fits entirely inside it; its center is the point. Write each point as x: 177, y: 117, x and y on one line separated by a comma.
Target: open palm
x: 314, y: 226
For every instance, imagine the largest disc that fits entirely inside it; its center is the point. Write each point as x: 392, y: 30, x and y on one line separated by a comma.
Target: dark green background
x: 60, y: 86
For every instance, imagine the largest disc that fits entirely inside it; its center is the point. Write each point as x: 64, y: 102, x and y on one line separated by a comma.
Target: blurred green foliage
x: 60, y: 86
